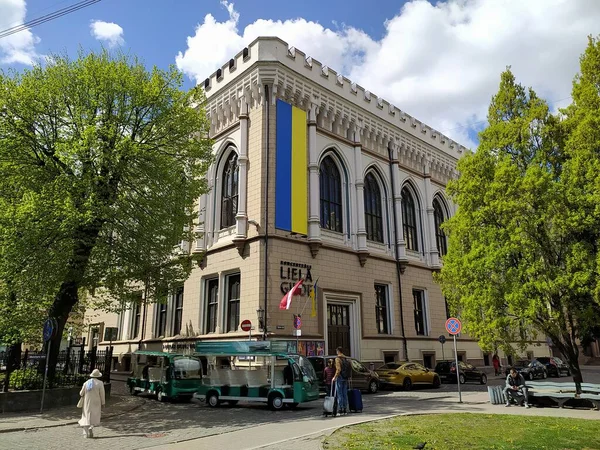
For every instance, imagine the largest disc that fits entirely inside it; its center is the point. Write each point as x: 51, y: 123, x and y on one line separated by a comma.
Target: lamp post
x: 260, y: 312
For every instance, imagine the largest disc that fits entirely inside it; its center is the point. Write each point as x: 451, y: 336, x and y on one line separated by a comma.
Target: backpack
x: 346, y: 369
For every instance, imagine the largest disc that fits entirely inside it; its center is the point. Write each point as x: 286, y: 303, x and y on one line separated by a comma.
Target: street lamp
x: 261, y: 320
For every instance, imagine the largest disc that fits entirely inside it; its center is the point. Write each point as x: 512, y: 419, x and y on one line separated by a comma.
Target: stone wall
x: 25, y: 401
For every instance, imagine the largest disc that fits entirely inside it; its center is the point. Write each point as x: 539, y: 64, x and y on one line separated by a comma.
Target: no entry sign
x: 246, y: 325
x: 453, y: 326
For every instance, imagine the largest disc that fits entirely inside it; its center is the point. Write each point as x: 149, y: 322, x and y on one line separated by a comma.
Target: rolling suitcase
x: 355, y: 403
x: 330, y: 404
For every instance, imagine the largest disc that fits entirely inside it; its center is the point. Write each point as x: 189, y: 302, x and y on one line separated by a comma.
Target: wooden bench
x: 563, y: 392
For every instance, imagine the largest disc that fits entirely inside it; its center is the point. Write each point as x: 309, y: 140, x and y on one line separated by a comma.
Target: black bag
x: 346, y: 369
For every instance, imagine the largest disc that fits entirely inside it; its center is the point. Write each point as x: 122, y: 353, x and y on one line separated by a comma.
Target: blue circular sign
x: 48, y: 330
x: 453, y: 325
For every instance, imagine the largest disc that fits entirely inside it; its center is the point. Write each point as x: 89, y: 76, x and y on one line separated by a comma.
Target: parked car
x: 407, y: 374
x: 447, y: 372
x: 530, y: 369
x: 555, y: 366
x: 362, y: 378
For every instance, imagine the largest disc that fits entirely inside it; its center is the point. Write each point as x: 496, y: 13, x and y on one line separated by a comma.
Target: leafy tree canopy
x: 101, y: 163
x: 523, y: 253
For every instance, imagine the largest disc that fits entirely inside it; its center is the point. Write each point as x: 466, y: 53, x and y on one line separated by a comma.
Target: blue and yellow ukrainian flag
x: 291, y: 183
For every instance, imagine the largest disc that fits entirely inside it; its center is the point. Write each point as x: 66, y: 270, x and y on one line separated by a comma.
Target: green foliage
x: 472, y: 431
x: 26, y: 379
x: 101, y: 163
x: 523, y: 254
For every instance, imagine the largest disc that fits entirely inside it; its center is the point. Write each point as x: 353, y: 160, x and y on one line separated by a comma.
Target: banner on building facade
x: 291, y: 178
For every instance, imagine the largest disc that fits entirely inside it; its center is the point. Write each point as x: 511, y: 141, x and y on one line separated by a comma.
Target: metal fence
x: 72, y: 369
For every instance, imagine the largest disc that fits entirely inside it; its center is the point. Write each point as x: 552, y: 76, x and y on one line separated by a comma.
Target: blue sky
x: 438, y: 61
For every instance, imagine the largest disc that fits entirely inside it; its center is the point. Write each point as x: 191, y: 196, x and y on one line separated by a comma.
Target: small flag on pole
x: 313, y: 298
x: 286, y: 301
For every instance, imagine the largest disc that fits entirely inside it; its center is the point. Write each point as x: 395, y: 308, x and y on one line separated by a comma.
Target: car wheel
x: 160, y: 396
x: 531, y: 375
x: 407, y: 384
x: 373, y: 387
x: 544, y: 375
x: 132, y: 390
x: 483, y: 379
x: 212, y: 399
x: 275, y: 402
x: 437, y: 382
x: 462, y: 379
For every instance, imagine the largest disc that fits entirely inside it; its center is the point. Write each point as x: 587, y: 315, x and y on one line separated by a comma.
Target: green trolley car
x: 255, y: 371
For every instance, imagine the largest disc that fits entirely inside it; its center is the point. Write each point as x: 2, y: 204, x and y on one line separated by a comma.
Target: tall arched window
x: 229, y: 191
x: 409, y: 220
x: 373, y: 210
x: 330, y: 184
x: 440, y: 236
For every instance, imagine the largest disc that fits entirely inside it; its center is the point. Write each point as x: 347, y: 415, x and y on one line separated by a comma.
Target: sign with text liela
x: 291, y: 272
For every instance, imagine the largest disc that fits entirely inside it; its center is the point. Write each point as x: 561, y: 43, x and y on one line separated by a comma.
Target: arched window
x: 373, y: 210
x: 440, y: 236
x: 229, y: 191
x: 330, y: 184
x: 409, y: 220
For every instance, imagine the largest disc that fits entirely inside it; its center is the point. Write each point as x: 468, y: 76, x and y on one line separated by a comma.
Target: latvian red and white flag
x: 286, y: 301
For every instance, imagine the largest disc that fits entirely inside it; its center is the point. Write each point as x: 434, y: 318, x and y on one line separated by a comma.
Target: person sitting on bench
x: 515, y: 388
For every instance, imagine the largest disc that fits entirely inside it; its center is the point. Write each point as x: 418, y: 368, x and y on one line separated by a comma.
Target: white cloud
x: 109, y: 32
x: 18, y: 48
x: 440, y: 63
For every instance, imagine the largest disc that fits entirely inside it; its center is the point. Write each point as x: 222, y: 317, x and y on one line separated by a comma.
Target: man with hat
x: 92, y: 400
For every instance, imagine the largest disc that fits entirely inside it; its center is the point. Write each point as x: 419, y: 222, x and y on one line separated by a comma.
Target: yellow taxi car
x: 406, y: 375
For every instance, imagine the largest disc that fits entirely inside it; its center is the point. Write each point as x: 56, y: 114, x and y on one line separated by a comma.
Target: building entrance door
x: 338, y: 328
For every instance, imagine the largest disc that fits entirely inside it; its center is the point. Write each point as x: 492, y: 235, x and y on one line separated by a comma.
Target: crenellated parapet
x: 340, y: 106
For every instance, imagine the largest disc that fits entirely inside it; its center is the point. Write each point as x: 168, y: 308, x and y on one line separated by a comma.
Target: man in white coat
x: 92, y: 400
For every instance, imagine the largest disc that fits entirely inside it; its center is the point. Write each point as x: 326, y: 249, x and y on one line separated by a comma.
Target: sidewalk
x: 67, y: 415
x: 308, y: 434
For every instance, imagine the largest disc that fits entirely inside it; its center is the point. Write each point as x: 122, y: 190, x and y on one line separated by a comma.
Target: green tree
x: 516, y: 266
x: 101, y: 163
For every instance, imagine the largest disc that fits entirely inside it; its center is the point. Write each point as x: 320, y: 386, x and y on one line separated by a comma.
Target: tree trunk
x: 568, y: 347
x: 67, y: 297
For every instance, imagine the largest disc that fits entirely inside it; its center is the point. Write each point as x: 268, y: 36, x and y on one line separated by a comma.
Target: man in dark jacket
x: 515, y: 388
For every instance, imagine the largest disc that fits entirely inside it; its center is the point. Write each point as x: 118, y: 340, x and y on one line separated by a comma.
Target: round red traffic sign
x: 453, y: 325
x: 246, y: 325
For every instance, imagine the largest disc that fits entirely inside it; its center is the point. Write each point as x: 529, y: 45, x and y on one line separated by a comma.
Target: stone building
x: 316, y: 178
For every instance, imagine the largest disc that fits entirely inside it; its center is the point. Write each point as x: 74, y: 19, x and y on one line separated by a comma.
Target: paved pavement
x: 135, y: 422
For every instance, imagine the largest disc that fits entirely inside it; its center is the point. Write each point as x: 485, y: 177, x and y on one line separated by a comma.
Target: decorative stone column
x: 363, y: 252
x: 399, y: 231
x: 241, y: 217
x: 200, y: 231
x: 314, y: 225
x: 434, y: 259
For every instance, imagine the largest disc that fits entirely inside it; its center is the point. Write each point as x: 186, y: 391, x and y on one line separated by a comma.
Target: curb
x: 73, y: 422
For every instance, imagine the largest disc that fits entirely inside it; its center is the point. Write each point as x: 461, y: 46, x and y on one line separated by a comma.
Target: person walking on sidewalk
x: 92, y: 400
x: 342, y: 373
x: 496, y: 363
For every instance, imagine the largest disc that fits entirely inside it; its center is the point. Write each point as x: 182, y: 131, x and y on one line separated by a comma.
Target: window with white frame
x: 178, y: 310
x: 161, y: 319
x: 233, y: 301
x: 229, y: 191
x: 382, y: 309
x: 409, y: 220
x: 373, y: 209
x: 330, y: 188
x: 135, y: 320
x: 440, y: 236
x: 211, y: 305
x: 420, y: 311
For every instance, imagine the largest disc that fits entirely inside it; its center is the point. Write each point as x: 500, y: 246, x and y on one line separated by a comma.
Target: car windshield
x: 187, y: 368
x: 307, y: 368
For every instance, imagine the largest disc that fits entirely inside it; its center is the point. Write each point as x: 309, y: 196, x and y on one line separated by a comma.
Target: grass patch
x: 469, y: 431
